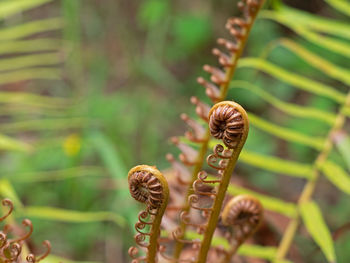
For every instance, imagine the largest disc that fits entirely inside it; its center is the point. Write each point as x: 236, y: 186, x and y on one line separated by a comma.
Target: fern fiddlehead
x: 228, y: 121
x: 244, y: 214
x: 217, y: 89
x: 147, y: 185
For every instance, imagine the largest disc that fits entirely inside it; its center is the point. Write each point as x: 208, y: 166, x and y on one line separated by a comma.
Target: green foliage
x: 190, y: 31
x: 314, y: 222
x: 153, y: 12
x: 337, y: 176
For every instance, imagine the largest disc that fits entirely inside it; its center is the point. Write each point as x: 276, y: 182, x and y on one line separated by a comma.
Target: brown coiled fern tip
x: 243, y: 210
x: 228, y: 121
x: 145, y: 186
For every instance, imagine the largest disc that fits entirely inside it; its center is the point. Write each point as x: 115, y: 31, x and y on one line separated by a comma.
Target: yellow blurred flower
x: 72, y: 144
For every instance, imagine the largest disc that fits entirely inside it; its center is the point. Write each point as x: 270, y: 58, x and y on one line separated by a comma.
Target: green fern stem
x: 229, y: 73
x: 310, y: 186
x: 220, y: 109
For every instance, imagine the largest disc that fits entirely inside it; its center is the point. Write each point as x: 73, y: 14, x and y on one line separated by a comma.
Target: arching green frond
x: 30, y: 28
x: 32, y: 45
x: 276, y: 165
x: 34, y: 100
x: 30, y: 74
x: 46, y: 59
x: 285, y: 133
x: 341, y: 5
x: 289, y: 16
x: 288, y: 108
x: 316, y: 226
x: 337, y: 175
x: 294, y: 79
x: 318, y: 62
x: 11, y: 7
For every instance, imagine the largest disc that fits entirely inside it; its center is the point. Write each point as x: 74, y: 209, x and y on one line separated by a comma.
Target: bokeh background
x: 90, y: 88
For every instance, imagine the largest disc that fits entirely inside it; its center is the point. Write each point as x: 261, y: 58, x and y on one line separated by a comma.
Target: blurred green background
x: 90, y: 88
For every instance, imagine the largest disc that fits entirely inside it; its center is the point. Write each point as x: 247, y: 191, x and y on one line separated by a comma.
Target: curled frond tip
x: 228, y: 121
x: 146, y: 185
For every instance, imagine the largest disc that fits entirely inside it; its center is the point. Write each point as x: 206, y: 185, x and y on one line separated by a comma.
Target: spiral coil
x: 147, y: 185
x: 11, y: 249
x: 226, y: 123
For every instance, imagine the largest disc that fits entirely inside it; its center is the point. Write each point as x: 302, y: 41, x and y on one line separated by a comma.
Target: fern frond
x: 293, y: 79
x: 286, y: 134
x: 290, y: 109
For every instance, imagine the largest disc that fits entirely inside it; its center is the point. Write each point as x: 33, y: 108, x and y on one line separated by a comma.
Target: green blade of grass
x: 58, y: 175
x: 8, y: 191
x: 9, y: 144
x: 115, y: 165
x: 70, y: 216
x: 44, y: 124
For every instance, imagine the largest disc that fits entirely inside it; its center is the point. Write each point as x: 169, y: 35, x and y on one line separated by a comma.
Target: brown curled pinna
x: 11, y: 249
x: 244, y: 213
x: 148, y: 185
x: 144, y: 185
x: 228, y: 121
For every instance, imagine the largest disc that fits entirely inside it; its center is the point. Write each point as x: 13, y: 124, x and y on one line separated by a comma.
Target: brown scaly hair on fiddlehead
x: 10, y: 249
x: 147, y: 185
x: 244, y: 213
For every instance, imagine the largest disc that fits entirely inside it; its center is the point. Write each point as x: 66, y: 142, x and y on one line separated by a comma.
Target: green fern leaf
x: 318, y: 229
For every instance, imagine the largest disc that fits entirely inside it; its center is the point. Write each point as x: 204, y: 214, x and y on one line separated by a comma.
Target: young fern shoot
x: 148, y: 185
x: 244, y: 214
x: 228, y: 121
x: 216, y: 89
